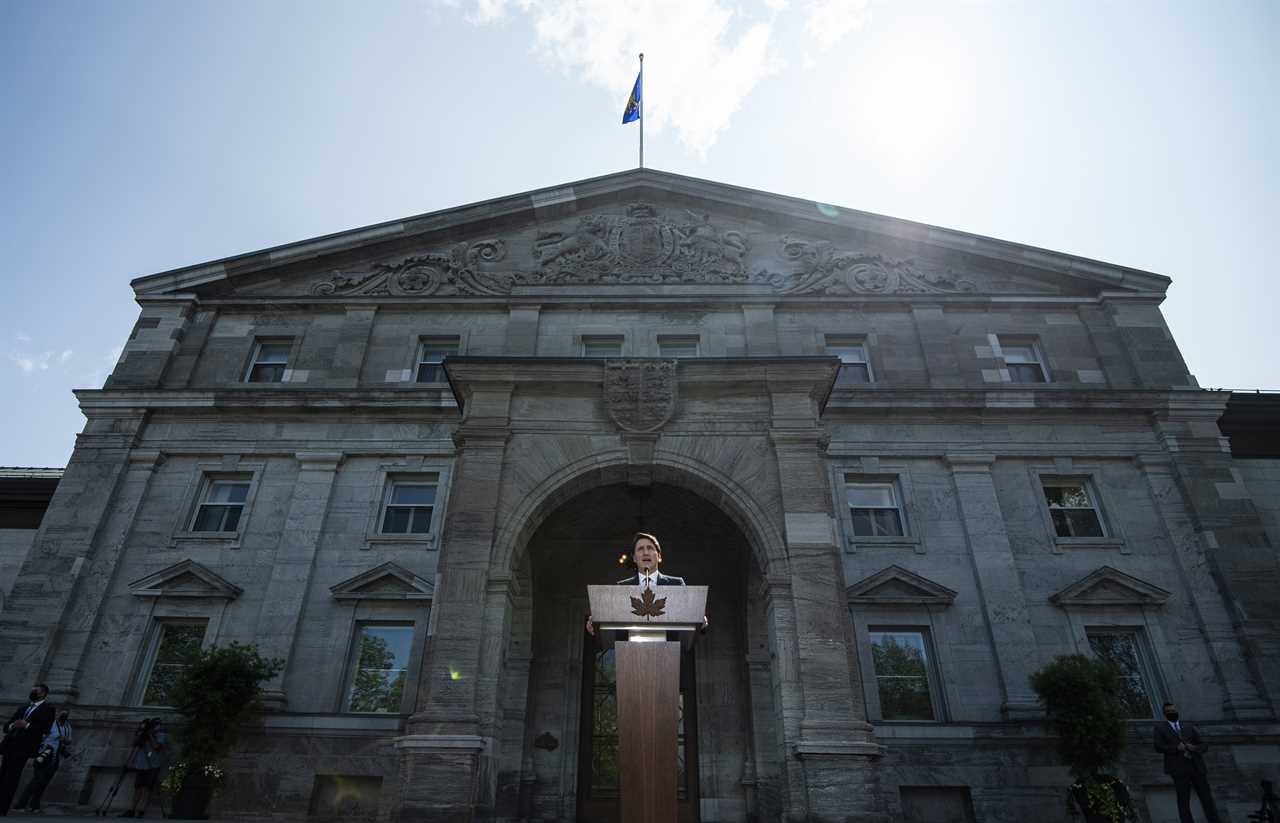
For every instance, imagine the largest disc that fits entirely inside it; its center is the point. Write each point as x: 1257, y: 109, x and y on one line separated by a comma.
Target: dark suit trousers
x: 34, y: 790
x: 1182, y: 784
x: 10, y: 773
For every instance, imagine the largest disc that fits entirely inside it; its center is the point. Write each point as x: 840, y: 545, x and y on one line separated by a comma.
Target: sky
x: 137, y: 137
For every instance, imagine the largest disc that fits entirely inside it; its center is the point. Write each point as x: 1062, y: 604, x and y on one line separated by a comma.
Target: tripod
x: 105, y: 806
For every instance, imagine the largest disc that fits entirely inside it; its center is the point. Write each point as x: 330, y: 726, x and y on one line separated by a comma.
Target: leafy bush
x: 1082, y: 697
x: 218, y: 692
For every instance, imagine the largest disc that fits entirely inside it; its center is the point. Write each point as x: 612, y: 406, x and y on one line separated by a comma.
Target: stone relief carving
x: 640, y: 395
x: 825, y: 269
x: 643, y: 247
x: 455, y: 272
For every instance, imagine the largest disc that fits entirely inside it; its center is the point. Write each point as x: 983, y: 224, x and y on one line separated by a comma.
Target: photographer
x: 150, y: 745
x: 22, y: 737
x: 56, y: 745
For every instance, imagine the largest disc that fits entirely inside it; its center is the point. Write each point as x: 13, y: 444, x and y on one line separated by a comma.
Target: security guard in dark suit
x: 1183, y: 751
x: 22, y: 736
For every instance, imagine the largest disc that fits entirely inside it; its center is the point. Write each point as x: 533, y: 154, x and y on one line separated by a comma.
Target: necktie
x: 30, y: 709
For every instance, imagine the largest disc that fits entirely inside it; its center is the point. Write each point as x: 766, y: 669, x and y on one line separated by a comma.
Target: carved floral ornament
x: 642, y: 247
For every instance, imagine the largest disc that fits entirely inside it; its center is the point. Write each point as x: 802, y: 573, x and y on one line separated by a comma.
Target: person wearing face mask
x: 1183, y: 751
x: 22, y: 737
x: 56, y: 745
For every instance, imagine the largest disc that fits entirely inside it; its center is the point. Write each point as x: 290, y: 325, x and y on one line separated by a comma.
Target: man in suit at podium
x: 646, y: 553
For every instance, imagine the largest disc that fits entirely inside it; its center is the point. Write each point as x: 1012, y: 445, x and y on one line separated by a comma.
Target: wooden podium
x: 648, y: 678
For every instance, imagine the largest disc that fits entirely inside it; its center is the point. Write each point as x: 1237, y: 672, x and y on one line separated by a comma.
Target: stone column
x: 441, y: 754
x: 999, y: 588
x: 66, y: 543
x: 820, y: 684
x: 84, y: 611
x: 292, y: 567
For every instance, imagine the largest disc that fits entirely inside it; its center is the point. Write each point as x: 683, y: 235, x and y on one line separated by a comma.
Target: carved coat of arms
x: 640, y: 395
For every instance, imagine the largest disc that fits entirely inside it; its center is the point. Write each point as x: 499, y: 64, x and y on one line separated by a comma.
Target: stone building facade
x: 912, y: 464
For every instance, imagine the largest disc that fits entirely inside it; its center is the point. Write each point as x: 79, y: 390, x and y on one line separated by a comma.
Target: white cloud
x: 828, y: 21
x: 65, y: 356
x: 23, y: 338
x: 28, y: 362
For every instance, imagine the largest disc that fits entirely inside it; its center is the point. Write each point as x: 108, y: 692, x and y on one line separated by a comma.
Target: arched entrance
x: 569, y: 770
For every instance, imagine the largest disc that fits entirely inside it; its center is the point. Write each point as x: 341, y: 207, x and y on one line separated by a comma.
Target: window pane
x: 1084, y: 523
x: 853, y: 373
x: 379, y: 680
x: 273, y: 353
x: 397, y: 520
x: 1067, y: 495
x: 848, y: 353
x: 176, y: 642
x: 438, y: 348
x: 431, y: 374
x: 602, y: 347
x: 421, y: 521
x: 678, y: 347
x: 222, y: 491
x: 414, y: 494
x: 1025, y: 373
x: 1121, y: 650
x: 869, y: 495
x: 888, y: 522
x: 902, y: 675
x: 231, y: 520
x: 267, y: 374
x: 1018, y: 353
x: 863, y: 525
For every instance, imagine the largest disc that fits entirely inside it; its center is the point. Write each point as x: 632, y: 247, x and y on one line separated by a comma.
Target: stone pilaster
x: 1231, y: 539
x: 153, y: 342
x: 522, y: 330
x: 444, y: 756
x: 833, y: 743
x: 84, y: 611
x: 761, y: 331
x: 1013, y: 640
x: 293, y: 565
x: 64, y: 546
x: 938, y: 347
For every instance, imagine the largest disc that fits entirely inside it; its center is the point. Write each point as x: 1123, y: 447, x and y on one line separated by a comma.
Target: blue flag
x: 632, y: 111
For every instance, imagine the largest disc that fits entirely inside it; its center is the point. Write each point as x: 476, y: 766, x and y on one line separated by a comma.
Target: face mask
x: 35, y: 695
x: 1172, y: 717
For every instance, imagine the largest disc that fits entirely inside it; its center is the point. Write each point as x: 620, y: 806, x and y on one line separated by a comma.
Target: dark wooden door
x: 598, y: 795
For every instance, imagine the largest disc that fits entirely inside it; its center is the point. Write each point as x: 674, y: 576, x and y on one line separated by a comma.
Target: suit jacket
x: 26, y: 742
x: 1176, y: 763
x: 663, y: 580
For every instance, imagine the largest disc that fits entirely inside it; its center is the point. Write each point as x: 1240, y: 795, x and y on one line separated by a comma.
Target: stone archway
x: 732, y: 740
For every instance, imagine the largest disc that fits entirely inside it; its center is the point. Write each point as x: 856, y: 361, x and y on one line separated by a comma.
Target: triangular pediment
x: 386, y: 582
x: 644, y: 229
x: 1110, y: 587
x: 185, y: 579
x: 895, y: 586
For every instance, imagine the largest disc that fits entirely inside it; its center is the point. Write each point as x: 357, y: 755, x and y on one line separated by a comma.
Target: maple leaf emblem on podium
x: 646, y: 605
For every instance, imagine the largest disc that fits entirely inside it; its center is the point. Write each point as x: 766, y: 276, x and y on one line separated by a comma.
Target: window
x: 601, y: 346
x: 174, y: 643
x: 677, y: 345
x: 1125, y: 649
x: 903, y: 671
x: 855, y: 365
x: 431, y: 353
x: 1022, y: 358
x: 379, y: 667
x: 270, y: 359
x: 221, y: 505
x: 1072, y: 509
x: 875, y: 509
x: 409, y: 505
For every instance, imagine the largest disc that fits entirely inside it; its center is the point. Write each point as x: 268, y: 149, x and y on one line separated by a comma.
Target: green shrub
x: 1082, y: 697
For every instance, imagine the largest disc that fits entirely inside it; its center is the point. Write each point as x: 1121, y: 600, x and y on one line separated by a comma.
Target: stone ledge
x: 433, y: 742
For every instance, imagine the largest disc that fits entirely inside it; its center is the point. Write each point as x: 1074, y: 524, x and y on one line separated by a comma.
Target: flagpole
x: 641, y: 102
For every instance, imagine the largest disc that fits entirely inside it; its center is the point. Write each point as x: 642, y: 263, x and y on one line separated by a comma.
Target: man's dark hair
x: 1167, y: 704
x: 43, y: 687
x: 645, y: 536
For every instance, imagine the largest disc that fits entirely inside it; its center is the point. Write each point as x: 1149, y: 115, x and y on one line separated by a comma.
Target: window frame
x: 420, y: 352
x: 351, y: 670
x: 1055, y: 482
x: 933, y: 667
x: 672, y: 339
x: 871, y: 470
x: 388, y: 495
x: 386, y: 474
x: 209, y: 480
x: 586, y: 340
x: 255, y: 352
x: 861, y: 341
x: 202, y: 474
x: 1020, y: 341
x: 151, y: 649
x: 1068, y: 471
x: 853, y: 481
